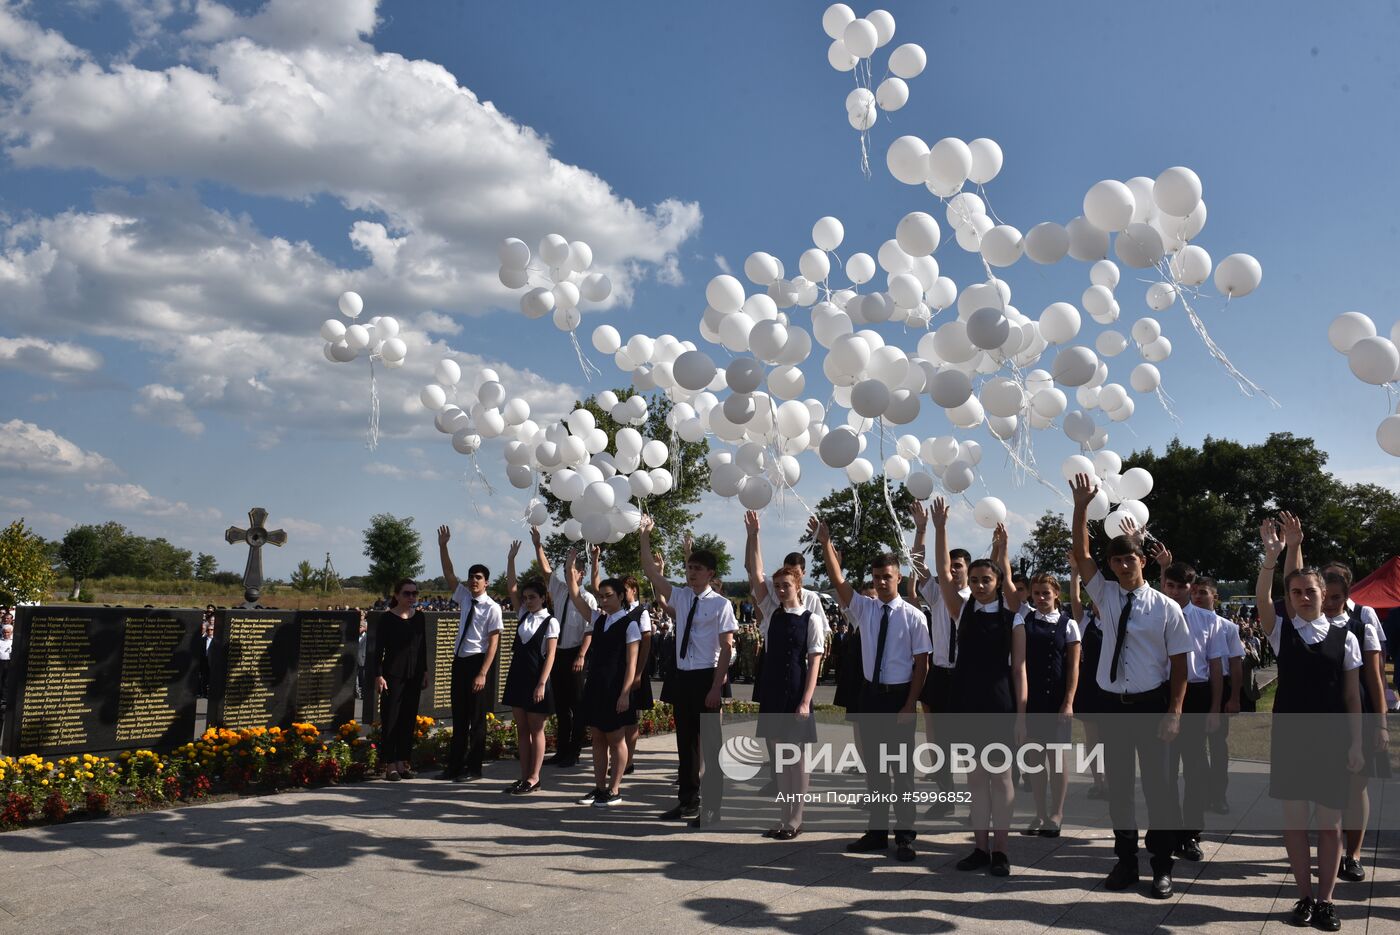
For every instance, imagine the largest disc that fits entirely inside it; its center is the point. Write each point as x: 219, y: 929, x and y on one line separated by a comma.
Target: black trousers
x: 938, y: 691
x: 880, y: 727
x: 1189, y: 758
x: 469, y: 709
x: 398, y: 718
x: 697, y: 737
x: 568, y: 695
x: 1132, y: 744
x: 1218, y: 751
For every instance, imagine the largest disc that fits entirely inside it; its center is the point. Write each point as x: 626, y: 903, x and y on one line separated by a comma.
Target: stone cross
x: 255, y: 536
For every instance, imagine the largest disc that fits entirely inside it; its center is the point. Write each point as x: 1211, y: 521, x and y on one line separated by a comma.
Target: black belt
x: 884, y: 688
x: 1152, y: 694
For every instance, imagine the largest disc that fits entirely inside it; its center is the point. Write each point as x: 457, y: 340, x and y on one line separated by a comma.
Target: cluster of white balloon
x: 481, y: 410
x: 853, y: 42
x: 1373, y: 359
x: 566, y: 269
x: 1120, y: 495
x: 377, y: 339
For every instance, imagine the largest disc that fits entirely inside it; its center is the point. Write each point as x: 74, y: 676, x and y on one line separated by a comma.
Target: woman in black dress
x: 793, y: 644
x: 607, y: 691
x: 1052, y: 675
x: 400, y: 664
x: 528, y: 690
x: 989, y: 681
x: 642, y: 697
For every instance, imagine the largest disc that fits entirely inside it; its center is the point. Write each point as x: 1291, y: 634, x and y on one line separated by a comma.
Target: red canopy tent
x: 1381, y: 588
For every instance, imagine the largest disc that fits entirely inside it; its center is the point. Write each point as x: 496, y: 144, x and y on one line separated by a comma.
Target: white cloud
x: 27, y: 43
x: 166, y: 405
x: 133, y: 498
x: 57, y: 359
x: 288, y: 24
x: 27, y: 448
x: 723, y: 264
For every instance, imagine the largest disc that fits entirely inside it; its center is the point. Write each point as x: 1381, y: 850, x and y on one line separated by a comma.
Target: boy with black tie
x: 474, y: 652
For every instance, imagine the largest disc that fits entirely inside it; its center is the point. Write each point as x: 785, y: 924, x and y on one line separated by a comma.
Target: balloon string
x: 589, y: 370
x: 372, y: 434
x: 1031, y: 470
x: 476, y: 466
x: 889, y: 502
x: 1166, y: 402
x: 1247, y: 386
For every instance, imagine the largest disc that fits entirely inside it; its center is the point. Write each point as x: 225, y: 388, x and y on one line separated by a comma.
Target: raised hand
x: 1292, y: 529
x: 595, y: 552
x: 751, y: 521
x: 920, y: 514
x: 535, y: 536
x: 1269, y: 536
x: 444, y: 534
x: 689, y: 544
x: 646, y: 525
x: 1084, y: 489
x: 818, y: 530
x: 574, y: 575
x: 940, y: 512
x: 999, y: 537
x: 514, y: 550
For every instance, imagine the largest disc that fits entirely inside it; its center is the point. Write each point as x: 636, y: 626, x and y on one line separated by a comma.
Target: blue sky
x: 699, y: 131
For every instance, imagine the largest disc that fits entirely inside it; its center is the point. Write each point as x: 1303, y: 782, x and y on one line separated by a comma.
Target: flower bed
x: 223, y: 762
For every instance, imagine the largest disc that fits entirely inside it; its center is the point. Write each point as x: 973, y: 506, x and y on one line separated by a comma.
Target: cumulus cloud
x: 25, y: 448
x: 288, y: 24
x: 59, y: 360
x: 165, y: 405
x: 133, y: 498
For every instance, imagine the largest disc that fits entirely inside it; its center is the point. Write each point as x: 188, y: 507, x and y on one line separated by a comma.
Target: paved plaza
x: 427, y: 856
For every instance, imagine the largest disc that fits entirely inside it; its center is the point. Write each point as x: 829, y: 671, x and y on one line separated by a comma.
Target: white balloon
x: 839, y: 57
x: 1146, y: 330
x: 661, y: 481
x: 514, y: 253
x: 957, y: 477
x: 861, y: 37
x: 917, y: 234
x: 1086, y: 242
x: 942, y: 293
x: 949, y: 162
x: 1145, y: 378
x: 1161, y: 296
x: 755, y: 493
x: 1388, y: 435
x: 1049, y: 403
x: 1158, y: 350
x: 1076, y: 464
x: 447, y: 372
x: 573, y: 530
x: 734, y: 332
x: 870, y: 398
x: 1238, y: 274
x: 351, y: 304
x: 836, y: 18
x: 1110, y: 343
x: 725, y: 294
x: 554, y: 250
x: 655, y: 453
x: 986, y: 160
x: 566, y: 319
x: 883, y: 22
x: 792, y: 418
x: 1139, y: 246
x: 950, y: 388
x: 859, y: 471
x: 1134, y: 484
x: 332, y: 330
x: 1108, y: 205
x: 952, y: 343
x: 989, y: 512
x: 828, y: 232
x: 357, y: 337
x: 892, y: 94
x: 466, y: 442
x: 786, y: 382
x: 860, y: 268
x: 968, y: 415
x: 693, y: 370
x: 1098, y: 508
x: 1112, y: 397
x: 1113, y: 523
x: 987, y: 328
x: 537, y: 303
x: 908, y: 61
x: 1191, y: 265
x: 896, y: 467
x: 814, y: 264
x: 1047, y: 242
x: 1059, y: 323
x: 1177, y: 191
x: 1374, y: 360
x: 1002, y: 397
x: 762, y: 268
x: 606, y: 340
x: 512, y: 277
x: 1346, y: 329
x: 1002, y: 245
x: 963, y: 207
x: 393, y: 350
x: 839, y: 448
x: 1079, y: 426
x: 595, y: 287
x: 433, y: 397
x: 1074, y: 366
x: 920, y: 485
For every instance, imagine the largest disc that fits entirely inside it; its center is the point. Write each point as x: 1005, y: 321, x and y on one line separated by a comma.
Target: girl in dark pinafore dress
x: 607, y: 691
x: 793, y: 643
x: 642, y: 698
x: 1052, y: 677
x: 527, y: 689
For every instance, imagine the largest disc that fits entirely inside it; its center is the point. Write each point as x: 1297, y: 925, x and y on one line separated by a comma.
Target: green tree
x: 394, y: 549
x: 25, y: 572
x: 861, y: 526
x: 80, y: 553
x: 690, y: 473
x: 168, y: 560
x: 1047, y: 548
x: 305, y: 578
x: 205, y: 567
x: 705, y: 540
x: 1207, y: 504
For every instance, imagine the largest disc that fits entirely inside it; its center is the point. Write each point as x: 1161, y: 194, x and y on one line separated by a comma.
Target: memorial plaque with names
x: 436, y: 700
x: 326, y: 667
x: 253, y: 673
x: 101, y: 679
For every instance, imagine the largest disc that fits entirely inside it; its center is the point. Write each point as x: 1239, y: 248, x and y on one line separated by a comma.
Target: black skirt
x: 607, y: 667
x: 526, y: 664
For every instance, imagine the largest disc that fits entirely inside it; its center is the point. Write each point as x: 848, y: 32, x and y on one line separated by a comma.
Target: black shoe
x: 1001, y: 865
x: 554, y: 759
x: 904, y: 851
x: 1302, y: 913
x: 868, y: 843
x: 1050, y: 830
x: 448, y: 776
x: 939, y: 810
x: 510, y: 789
x: 787, y: 834
x: 673, y: 814
x: 975, y: 861
x: 590, y: 798
x: 1189, y: 850
x: 564, y: 761
x: 1033, y: 828
x: 628, y: 770
x: 1324, y: 917
x: 1161, y: 886
x: 1351, y: 870
x: 392, y: 775
x: 469, y: 777
x: 1123, y: 875
x: 524, y: 788
x: 606, y: 799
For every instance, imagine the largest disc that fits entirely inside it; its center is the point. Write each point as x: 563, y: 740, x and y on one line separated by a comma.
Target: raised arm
x: 595, y: 577
x: 1001, y: 554
x: 1292, y: 531
x: 659, y: 585
x: 539, y: 552
x: 1084, y: 490
x: 844, y: 592
x: 444, y: 535
x: 1076, y: 600
x: 753, y: 558
x: 1264, y: 586
x: 942, y: 564
x: 573, y: 577
x: 917, y: 554
x: 511, y: 590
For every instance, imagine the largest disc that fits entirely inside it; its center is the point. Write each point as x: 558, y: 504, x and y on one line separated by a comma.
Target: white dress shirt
x: 1230, y: 639
x: 713, y: 615
x: 816, y: 632
x: 644, y: 621
x: 474, y: 628
x: 1370, y: 626
x: 1314, y: 632
x: 942, y: 623
x: 1156, y: 631
x: 530, y: 624
x: 1207, y: 642
x: 906, y: 637
x: 1072, y: 634
x: 6, y: 648
x: 572, y: 626
x: 634, y: 628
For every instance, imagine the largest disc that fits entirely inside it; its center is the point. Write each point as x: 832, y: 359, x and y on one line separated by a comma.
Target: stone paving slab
x: 431, y: 856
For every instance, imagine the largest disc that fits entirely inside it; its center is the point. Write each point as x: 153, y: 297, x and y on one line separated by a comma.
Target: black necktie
x: 689, y: 619
x: 880, y: 644
x: 1122, y: 636
x: 952, y: 639
x: 471, y: 614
